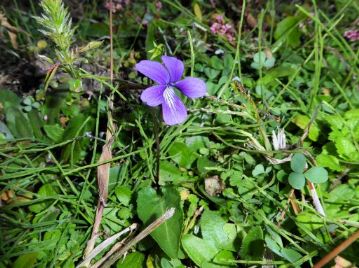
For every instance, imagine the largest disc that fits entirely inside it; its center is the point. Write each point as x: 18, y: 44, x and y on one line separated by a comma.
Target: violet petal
x: 153, y: 70
x: 173, y: 110
x: 153, y: 96
x: 192, y: 87
x: 174, y: 66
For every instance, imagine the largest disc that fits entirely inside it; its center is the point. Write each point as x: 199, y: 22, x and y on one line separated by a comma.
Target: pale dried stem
x: 118, y: 253
x: 316, y: 202
x: 103, y: 171
x: 105, y: 244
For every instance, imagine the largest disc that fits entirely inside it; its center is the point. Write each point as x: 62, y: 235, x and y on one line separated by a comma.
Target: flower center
x: 169, y: 96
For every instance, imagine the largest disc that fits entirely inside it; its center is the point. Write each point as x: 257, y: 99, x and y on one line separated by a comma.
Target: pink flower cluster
x: 224, y: 29
x: 116, y: 5
x: 352, y: 35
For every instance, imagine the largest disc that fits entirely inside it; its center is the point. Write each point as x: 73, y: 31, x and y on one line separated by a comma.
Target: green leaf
x: 252, y: 244
x: 26, y: 261
x: 328, y: 161
x: 151, y: 206
x: 123, y: 194
x: 213, y: 230
x: 211, y: 73
x: 18, y: 123
x: 298, y: 163
x: 258, y: 170
x: 272, y: 245
x: 54, y: 132
x: 182, y: 154
x: 5, y: 131
x: 199, y: 250
x: 133, y: 260
x: 170, y: 173
x: 77, y: 126
x: 9, y: 99
x: 203, y: 163
x: 302, y: 122
x: 290, y: 254
x: 343, y: 192
x: 224, y: 256
x: 288, y: 30
x: 27, y: 101
x: 36, y: 123
x: 296, y: 180
x: 309, y: 221
x: 346, y: 147
x: 45, y: 190
x: 317, y: 175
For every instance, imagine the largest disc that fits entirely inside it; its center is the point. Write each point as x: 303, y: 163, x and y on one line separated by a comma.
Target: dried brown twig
x: 337, y: 250
x: 103, y: 171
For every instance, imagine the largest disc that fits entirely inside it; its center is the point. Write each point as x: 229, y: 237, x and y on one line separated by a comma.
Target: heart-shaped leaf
x: 317, y: 174
x: 296, y: 180
x: 151, y: 206
x: 199, y: 250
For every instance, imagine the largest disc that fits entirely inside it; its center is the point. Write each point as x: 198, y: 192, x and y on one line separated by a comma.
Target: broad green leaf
x: 170, y: 173
x: 53, y: 103
x: 216, y: 63
x: 197, y: 11
x: 302, y: 122
x: 151, y: 206
x: 211, y: 73
x: 328, y: 161
x: 298, y: 163
x: 26, y: 260
x: 317, y: 174
x: 280, y: 71
x: 199, y: 250
x: 258, y: 170
x: 133, y: 260
x: 9, y: 99
x: 290, y: 254
x: 224, y: 256
x: 18, y: 123
x: 183, y: 155
x: 173, y: 263
x: 272, y: 245
x: 252, y: 244
x: 76, y: 127
x: 212, y: 265
x: 45, y: 190
x: 5, y: 131
x: 296, y: 180
x: 203, y: 163
x: 346, y: 147
x: 213, y: 230
x: 343, y: 192
x: 309, y: 221
x: 36, y: 123
x: 54, y: 132
x: 123, y: 194
x: 288, y: 30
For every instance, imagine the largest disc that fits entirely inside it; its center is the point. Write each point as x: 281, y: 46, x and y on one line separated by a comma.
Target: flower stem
x: 157, y: 126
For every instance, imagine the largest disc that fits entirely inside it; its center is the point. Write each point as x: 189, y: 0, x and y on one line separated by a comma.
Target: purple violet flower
x: 167, y: 76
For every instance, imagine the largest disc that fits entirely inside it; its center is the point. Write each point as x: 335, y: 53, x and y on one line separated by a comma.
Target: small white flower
x: 279, y: 140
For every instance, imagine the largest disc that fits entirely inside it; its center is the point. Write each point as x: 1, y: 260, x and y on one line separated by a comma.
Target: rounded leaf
x: 296, y: 180
x: 298, y: 163
x: 317, y: 174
